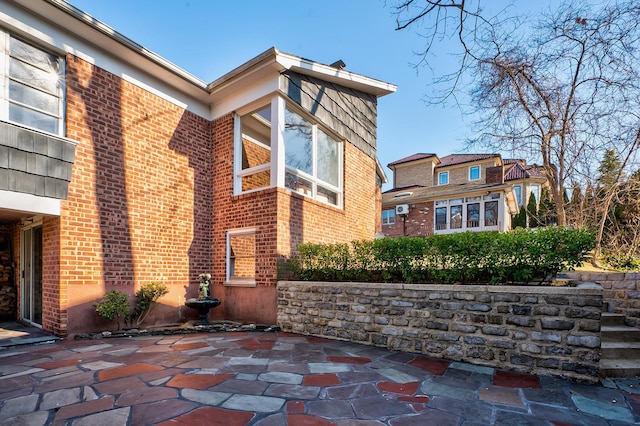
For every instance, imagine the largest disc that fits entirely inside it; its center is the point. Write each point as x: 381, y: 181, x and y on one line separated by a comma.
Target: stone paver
x: 275, y: 379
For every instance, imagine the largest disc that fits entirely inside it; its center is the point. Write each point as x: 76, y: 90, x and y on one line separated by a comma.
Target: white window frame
x: 277, y: 165
x: 238, y: 173
x: 445, y: 228
x: 5, y: 77
x: 390, y: 218
x: 474, y: 168
x: 536, y: 192
x: 234, y: 281
x: 315, y: 181
x: 518, y: 189
x: 443, y: 176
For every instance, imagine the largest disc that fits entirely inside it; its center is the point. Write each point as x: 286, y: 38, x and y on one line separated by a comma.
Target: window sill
x: 249, y: 282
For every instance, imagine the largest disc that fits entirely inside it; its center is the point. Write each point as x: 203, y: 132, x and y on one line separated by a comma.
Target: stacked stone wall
x: 540, y: 330
x: 621, y: 292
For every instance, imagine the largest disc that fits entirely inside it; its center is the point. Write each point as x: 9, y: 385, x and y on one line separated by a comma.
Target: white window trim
x: 277, y: 165
x: 521, y: 201
x: 447, y: 204
x: 5, y: 37
x: 238, y: 173
x: 237, y: 282
x: 315, y: 181
x: 394, y: 217
x: 443, y: 174
x: 479, y: 173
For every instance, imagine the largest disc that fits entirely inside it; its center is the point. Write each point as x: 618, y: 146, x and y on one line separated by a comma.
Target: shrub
x: 115, y: 304
x: 146, y: 296
x: 519, y: 256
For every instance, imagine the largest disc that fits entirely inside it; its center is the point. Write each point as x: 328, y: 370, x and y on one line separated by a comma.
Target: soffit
x: 443, y: 191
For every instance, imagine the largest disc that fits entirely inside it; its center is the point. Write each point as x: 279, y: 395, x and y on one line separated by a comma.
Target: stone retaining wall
x: 541, y: 330
x: 621, y: 292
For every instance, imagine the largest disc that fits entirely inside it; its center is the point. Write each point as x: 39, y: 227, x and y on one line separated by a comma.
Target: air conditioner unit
x: 402, y: 209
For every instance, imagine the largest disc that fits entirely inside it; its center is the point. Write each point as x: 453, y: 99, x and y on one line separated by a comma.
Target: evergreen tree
x: 520, y: 219
x: 608, y: 172
x: 547, y: 210
x: 575, y: 208
x: 532, y: 212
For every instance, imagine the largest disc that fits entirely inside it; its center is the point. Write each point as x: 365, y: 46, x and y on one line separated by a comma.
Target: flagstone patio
x: 257, y: 378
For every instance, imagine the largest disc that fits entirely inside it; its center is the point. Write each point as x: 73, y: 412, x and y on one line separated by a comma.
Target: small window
x: 473, y: 215
x: 388, y: 217
x: 535, y: 190
x: 517, y: 191
x: 474, y: 173
x: 441, y: 203
x: 455, y: 219
x: 491, y: 213
x: 441, y: 218
x: 241, y: 257
x: 443, y: 178
x: 254, y: 145
x: 35, y: 87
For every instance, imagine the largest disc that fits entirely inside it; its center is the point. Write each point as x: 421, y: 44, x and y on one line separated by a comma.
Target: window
x: 388, y: 217
x: 34, y: 86
x: 455, y: 220
x: 474, y: 173
x: 313, y: 160
x: 491, y: 213
x: 473, y: 215
x: 517, y: 191
x: 535, y: 190
x: 443, y: 178
x: 441, y: 218
x: 255, y: 149
x: 241, y: 257
x: 302, y: 157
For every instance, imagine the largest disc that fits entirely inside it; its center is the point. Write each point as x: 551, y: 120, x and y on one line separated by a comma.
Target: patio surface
x: 277, y: 379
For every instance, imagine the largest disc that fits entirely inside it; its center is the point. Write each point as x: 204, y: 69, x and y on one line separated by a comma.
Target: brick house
x: 456, y: 193
x: 117, y: 168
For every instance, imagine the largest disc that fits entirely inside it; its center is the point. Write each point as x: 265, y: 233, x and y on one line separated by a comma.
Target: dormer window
x: 474, y: 173
x: 443, y: 178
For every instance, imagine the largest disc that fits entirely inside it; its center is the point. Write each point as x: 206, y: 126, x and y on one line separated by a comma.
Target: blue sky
x: 209, y: 38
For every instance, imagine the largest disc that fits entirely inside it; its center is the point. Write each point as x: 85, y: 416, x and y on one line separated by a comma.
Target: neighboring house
x: 117, y: 168
x: 455, y: 193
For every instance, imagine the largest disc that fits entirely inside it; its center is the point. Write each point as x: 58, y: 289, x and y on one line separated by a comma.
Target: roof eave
x: 105, y: 30
x: 273, y: 58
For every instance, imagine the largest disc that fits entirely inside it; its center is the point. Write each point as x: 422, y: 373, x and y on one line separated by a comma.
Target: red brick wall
x: 139, y: 205
x: 147, y: 203
x: 418, y: 223
x: 495, y: 174
x: 282, y: 220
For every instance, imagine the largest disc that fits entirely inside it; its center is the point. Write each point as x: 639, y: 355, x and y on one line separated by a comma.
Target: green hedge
x: 520, y: 256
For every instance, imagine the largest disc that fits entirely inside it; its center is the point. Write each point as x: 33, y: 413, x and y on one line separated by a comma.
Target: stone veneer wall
x: 621, y: 292
x: 541, y: 330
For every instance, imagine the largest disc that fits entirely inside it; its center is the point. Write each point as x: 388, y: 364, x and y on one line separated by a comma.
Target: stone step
x: 620, y: 350
x: 619, y: 368
x: 611, y: 319
x: 619, y: 333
